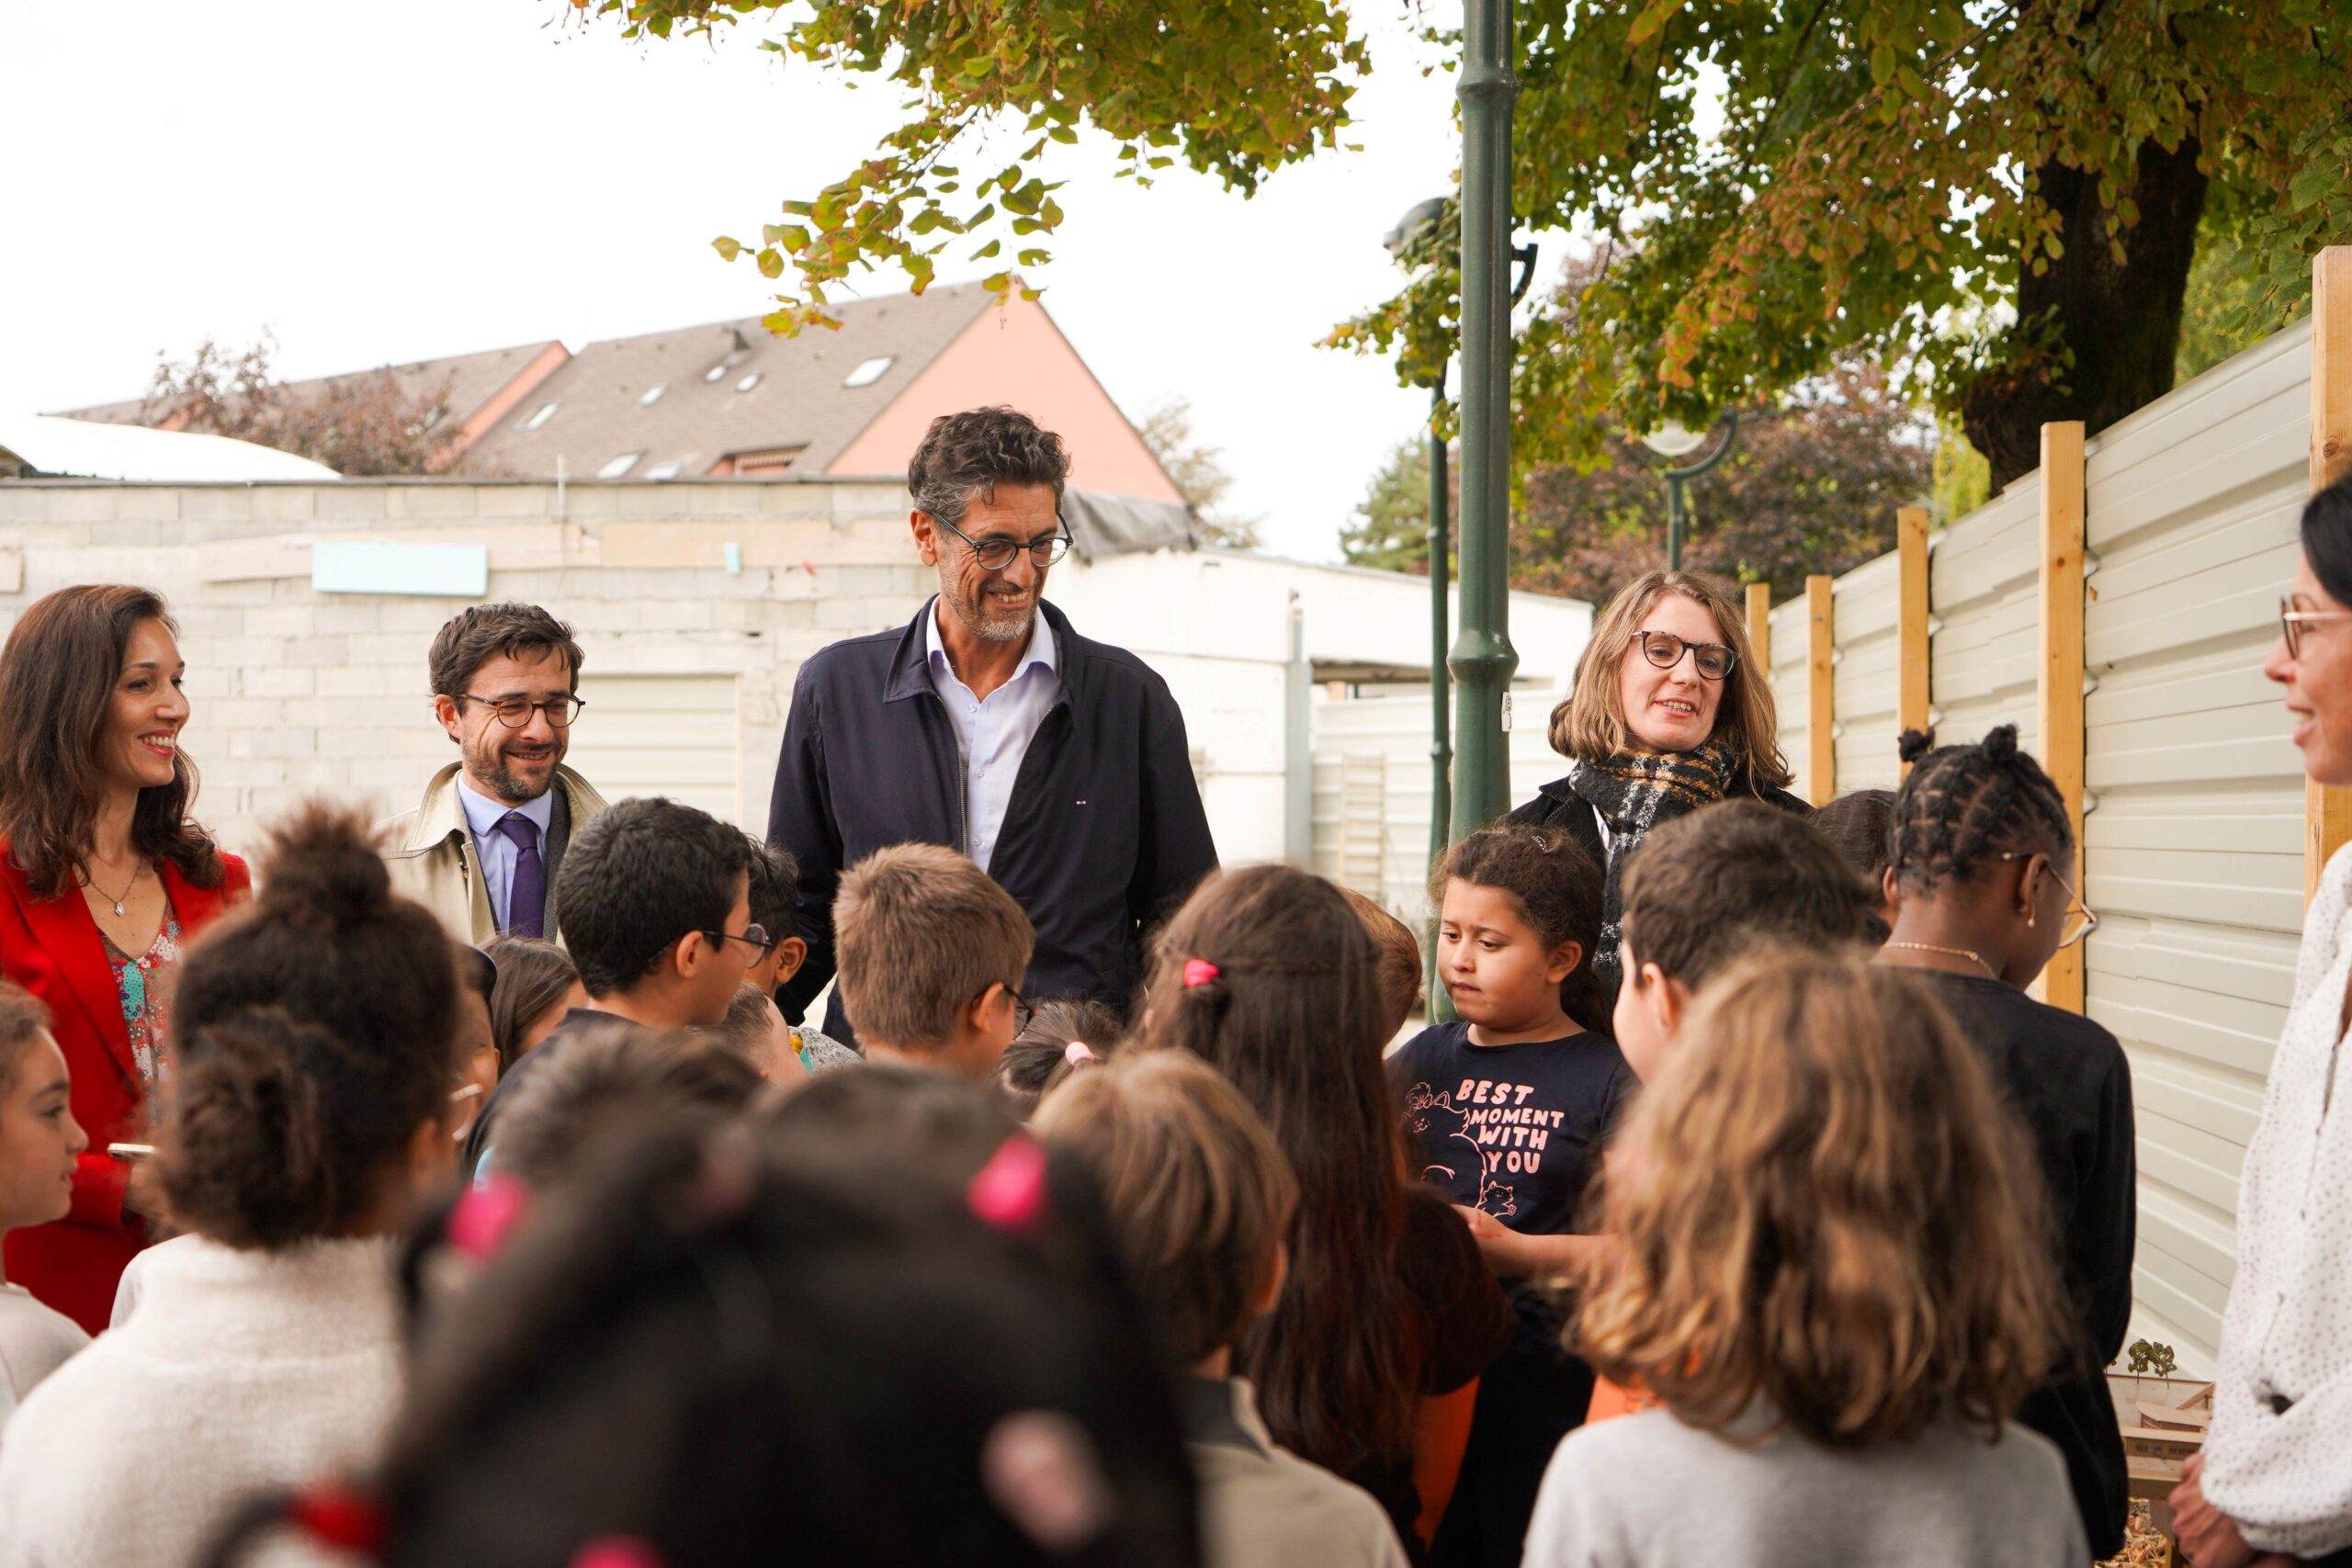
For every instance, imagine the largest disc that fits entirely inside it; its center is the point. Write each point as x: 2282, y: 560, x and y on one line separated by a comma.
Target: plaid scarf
x: 1634, y: 791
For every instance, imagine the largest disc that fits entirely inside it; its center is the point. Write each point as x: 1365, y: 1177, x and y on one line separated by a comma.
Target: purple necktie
x: 526, y: 894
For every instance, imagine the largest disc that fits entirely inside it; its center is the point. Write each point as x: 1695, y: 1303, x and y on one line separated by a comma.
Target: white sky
x: 376, y: 184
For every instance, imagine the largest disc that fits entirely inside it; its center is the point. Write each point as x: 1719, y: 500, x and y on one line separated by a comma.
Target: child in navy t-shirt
x: 1508, y: 1111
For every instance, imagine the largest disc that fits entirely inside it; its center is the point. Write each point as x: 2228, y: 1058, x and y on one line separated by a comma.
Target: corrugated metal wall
x: 1983, y: 578
x: 2194, y: 847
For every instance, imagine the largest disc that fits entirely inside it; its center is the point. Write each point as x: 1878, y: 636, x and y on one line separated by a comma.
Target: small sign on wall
x: 455, y: 570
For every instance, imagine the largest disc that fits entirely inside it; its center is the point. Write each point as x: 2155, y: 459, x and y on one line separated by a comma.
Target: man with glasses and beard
x: 988, y: 725
x: 481, y: 848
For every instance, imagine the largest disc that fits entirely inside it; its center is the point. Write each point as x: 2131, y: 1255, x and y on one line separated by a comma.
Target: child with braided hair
x: 1981, y: 878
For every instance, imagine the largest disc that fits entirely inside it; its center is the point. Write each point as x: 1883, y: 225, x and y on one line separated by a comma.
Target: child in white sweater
x: 1832, y: 1284
x: 38, y: 1141
x: 314, y: 1048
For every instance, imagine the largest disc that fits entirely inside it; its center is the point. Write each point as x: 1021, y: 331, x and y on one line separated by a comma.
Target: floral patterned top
x: 143, y: 986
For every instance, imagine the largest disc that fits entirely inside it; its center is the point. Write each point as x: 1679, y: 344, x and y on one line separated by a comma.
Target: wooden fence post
x: 1911, y: 620
x: 1760, y: 628
x: 2327, y: 812
x: 2061, y: 663
x: 1821, y: 739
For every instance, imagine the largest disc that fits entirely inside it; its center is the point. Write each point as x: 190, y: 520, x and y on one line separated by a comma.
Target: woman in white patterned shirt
x: 2275, y: 1481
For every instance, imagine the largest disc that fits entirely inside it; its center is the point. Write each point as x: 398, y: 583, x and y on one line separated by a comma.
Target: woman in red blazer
x: 103, y: 877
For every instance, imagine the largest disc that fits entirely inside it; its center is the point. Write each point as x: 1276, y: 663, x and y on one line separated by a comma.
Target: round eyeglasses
x: 995, y: 552
x: 1711, y: 659
x: 515, y: 712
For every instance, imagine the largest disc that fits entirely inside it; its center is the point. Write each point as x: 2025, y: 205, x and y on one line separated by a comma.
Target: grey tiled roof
x: 798, y: 400
x: 472, y: 380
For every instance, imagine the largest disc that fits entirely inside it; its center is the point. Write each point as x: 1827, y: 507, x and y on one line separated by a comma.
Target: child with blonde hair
x: 1832, y: 1282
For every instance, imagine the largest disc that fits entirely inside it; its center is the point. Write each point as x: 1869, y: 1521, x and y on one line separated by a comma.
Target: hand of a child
x: 143, y: 1192
x: 1497, y: 1243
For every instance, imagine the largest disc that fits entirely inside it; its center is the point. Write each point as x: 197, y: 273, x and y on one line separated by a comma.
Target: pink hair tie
x: 1199, y: 971
x: 486, y: 1215
x: 1078, y: 1051
x: 1009, y: 1193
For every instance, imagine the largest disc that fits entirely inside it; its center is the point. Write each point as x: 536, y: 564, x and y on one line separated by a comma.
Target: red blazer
x: 52, y: 948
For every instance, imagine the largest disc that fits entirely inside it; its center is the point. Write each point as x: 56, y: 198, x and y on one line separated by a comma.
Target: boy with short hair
x: 931, y: 953
x: 1705, y: 889
x: 775, y: 891
x: 1201, y: 1200
x: 39, y: 1144
x: 654, y: 896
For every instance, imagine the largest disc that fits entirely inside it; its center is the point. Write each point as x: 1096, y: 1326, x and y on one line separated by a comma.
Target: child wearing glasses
x: 1981, y: 874
x: 1668, y: 714
x: 931, y: 953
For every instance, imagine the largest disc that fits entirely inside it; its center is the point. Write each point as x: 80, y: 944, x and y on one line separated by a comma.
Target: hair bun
x: 1915, y: 744
x: 2001, y: 743
x: 321, y: 866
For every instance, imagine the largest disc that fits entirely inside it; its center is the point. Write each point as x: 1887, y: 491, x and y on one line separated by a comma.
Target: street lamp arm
x: 1722, y: 451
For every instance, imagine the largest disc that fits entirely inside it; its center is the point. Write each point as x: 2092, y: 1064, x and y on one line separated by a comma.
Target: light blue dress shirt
x: 994, y: 735
x: 494, y: 850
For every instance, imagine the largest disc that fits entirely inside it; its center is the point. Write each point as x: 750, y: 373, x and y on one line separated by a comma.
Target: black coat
x: 1104, y: 835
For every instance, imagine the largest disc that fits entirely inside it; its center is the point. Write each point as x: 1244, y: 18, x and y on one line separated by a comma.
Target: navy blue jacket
x: 1103, y: 836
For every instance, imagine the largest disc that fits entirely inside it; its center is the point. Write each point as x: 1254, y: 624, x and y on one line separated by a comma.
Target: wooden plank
x: 2327, y: 810
x: 1820, y: 736
x: 1911, y: 620
x: 1760, y: 628
x: 2061, y: 686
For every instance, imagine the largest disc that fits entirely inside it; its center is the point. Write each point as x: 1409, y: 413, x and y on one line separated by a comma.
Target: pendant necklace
x: 1916, y: 947
x: 89, y: 881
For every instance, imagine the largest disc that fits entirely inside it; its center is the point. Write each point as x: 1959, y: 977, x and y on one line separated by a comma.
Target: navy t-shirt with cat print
x: 1515, y: 1130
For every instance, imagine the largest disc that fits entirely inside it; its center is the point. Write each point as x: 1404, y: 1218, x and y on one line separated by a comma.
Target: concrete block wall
x: 296, y: 693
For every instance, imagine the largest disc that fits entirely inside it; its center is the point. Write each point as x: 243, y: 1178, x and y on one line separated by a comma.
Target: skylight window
x: 748, y: 382
x: 619, y: 466
x: 868, y: 371
x: 668, y: 470
x: 716, y: 371
x: 540, y: 416
x: 653, y: 395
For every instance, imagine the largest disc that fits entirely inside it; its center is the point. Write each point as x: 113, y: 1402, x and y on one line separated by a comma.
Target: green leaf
x: 771, y: 263
x: 985, y: 252
x: 1033, y: 257
x: 995, y: 282
x: 1881, y: 65
x: 979, y: 67
x: 2310, y: 183
x: 728, y: 248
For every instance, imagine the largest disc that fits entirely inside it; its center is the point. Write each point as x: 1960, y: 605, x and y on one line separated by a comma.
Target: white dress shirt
x: 994, y: 735
x: 494, y: 850
x: 2286, y: 1476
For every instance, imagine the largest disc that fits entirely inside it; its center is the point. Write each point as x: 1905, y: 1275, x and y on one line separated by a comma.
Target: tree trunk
x: 2120, y: 323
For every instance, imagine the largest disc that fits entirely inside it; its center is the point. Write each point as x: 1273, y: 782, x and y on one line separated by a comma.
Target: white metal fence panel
x: 1867, y: 679
x: 2194, y: 849
x: 1792, y: 694
x: 1983, y: 583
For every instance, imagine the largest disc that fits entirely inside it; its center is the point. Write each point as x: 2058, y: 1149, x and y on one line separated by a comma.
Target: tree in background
x: 1392, y: 527
x: 1884, y: 174
x: 1199, y: 472
x: 1813, y: 486
x: 360, y: 425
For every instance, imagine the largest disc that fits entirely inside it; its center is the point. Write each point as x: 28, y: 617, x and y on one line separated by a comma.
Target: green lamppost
x: 1482, y: 658
x: 1671, y: 440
